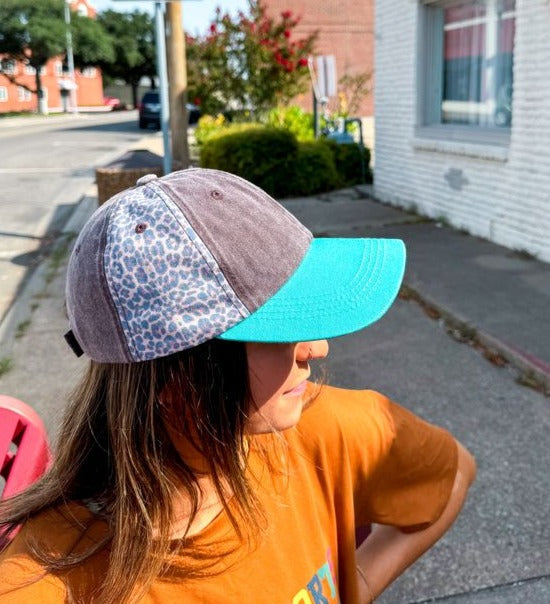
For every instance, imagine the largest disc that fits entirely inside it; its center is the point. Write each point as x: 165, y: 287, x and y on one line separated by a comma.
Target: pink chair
x: 24, y: 450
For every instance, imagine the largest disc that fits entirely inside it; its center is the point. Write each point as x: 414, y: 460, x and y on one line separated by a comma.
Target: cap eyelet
x: 140, y: 227
x: 216, y: 194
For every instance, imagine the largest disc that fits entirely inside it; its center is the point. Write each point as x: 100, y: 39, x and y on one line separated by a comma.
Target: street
x: 47, y: 165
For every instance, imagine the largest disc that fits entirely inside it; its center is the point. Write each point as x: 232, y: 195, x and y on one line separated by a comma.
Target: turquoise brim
x: 341, y: 286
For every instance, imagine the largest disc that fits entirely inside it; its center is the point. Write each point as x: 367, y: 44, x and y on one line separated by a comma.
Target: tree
x: 92, y: 45
x: 252, y: 61
x: 133, y: 39
x: 34, y: 32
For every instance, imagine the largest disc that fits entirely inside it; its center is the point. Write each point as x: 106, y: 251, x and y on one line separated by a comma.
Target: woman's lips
x: 299, y: 389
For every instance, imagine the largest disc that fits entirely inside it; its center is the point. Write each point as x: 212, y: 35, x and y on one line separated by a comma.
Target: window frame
x: 429, y: 77
x: 4, y: 94
x: 23, y: 95
x: 9, y: 66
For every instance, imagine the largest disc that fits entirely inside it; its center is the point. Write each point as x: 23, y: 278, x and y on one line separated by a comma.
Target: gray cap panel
x: 255, y: 241
x: 92, y: 314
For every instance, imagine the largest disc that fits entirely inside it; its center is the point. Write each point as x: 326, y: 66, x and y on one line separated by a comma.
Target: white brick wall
x: 505, y: 196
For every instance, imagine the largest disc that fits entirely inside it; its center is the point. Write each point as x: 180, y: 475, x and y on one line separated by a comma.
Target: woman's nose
x: 316, y: 349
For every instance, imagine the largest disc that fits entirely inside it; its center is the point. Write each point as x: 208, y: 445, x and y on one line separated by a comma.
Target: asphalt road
x: 47, y: 165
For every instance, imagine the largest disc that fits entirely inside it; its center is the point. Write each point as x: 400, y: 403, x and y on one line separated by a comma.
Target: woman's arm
x: 388, y: 551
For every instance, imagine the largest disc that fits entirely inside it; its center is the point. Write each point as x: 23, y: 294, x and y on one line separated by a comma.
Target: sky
x: 197, y: 14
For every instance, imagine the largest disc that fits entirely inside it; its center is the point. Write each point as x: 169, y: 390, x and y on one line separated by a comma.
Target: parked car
x: 149, y: 110
x: 111, y: 101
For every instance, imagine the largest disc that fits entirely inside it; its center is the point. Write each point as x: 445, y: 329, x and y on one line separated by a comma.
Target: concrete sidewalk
x: 484, y: 295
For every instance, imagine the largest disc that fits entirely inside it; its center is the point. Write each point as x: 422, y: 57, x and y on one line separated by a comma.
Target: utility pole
x: 163, y: 85
x: 177, y: 77
x: 70, y: 58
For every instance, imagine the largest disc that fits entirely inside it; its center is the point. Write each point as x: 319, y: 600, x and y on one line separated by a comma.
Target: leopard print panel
x: 168, y: 289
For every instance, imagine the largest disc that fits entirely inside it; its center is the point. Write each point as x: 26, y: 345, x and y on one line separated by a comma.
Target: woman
x: 196, y: 462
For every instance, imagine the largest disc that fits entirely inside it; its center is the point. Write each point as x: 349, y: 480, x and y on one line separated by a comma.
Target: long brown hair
x: 115, y: 450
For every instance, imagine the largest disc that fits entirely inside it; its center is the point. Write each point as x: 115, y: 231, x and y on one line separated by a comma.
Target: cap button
x: 145, y: 179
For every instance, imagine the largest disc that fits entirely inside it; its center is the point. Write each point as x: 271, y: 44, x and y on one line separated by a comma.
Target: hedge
x: 347, y: 160
x: 315, y: 171
x: 264, y: 156
x: 273, y: 159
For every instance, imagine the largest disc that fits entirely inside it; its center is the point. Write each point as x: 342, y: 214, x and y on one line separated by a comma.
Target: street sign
x: 326, y: 76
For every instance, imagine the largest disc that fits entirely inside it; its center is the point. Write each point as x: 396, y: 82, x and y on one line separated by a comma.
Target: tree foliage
x: 133, y: 39
x: 92, y: 45
x: 251, y: 61
x: 32, y: 32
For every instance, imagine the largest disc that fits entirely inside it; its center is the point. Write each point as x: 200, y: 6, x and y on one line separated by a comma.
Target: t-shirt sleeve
x: 410, y: 483
x: 400, y: 468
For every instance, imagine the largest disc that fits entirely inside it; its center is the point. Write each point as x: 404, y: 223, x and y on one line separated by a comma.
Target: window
x: 8, y: 66
x: 89, y: 72
x: 3, y: 94
x: 43, y: 70
x: 58, y: 68
x: 30, y: 70
x: 23, y: 94
x: 467, y: 75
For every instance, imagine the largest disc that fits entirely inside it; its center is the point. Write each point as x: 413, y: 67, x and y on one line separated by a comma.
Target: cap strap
x: 71, y: 340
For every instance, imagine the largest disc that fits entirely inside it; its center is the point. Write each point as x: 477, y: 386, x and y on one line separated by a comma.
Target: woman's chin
x: 287, y: 415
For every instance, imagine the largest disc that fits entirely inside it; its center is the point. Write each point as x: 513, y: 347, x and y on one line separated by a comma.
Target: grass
x: 57, y: 257
x: 6, y: 365
x: 443, y: 221
x: 524, y: 254
x: 9, y: 114
x: 530, y: 380
x: 22, y: 328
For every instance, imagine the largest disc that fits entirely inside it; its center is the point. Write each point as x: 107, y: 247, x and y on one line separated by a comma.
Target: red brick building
x: 14, y: 97
x: 346, y: 30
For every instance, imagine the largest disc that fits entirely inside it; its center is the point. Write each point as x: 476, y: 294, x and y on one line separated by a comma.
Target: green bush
x: 210, y: 127
x: 347, y: 159
x: 314, y: 169
x: 265, y: 156
x: 273, y: 159
x: 207, y: 126
x: 295, y: 120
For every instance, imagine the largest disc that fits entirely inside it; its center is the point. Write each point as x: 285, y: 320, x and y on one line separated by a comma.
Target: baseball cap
x: 199, y: 254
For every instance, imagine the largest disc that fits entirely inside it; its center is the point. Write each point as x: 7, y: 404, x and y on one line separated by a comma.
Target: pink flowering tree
x: 252, y: 61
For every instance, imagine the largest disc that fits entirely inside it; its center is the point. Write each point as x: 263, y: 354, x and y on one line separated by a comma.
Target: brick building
x: 462, y: 120
x: 17, y: 98
x: 346, y: 30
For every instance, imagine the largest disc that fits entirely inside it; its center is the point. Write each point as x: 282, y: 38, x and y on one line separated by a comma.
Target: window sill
x: 470, y: 142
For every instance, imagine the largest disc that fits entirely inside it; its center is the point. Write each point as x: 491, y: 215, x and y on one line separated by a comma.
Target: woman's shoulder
x: 62, y: 529
x: 56, y: 532
x: 342, y: 405
x: 336, y: 418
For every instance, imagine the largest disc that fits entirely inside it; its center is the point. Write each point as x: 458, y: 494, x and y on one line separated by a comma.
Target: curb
x: 533, y: 372
x: 22, y: 306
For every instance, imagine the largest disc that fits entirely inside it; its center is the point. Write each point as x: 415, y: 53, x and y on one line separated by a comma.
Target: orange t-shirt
x: 355, y: 457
